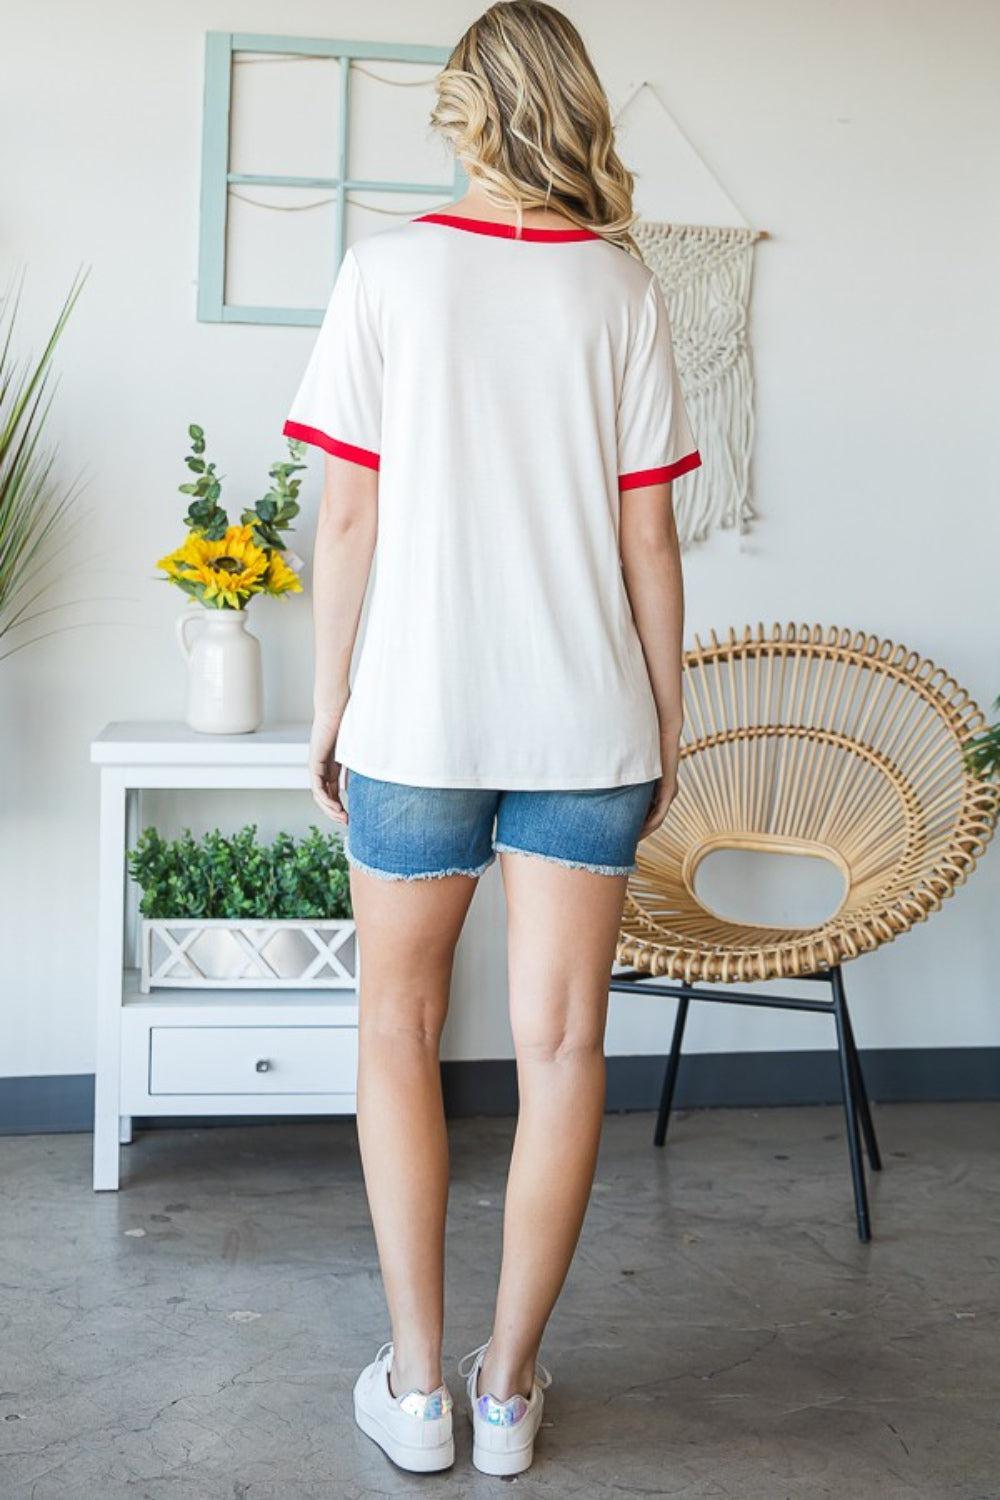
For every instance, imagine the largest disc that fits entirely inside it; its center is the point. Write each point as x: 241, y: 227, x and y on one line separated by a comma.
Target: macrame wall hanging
x: 705, y: 272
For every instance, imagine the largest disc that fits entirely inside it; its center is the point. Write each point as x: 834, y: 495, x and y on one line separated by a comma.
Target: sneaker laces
x: 465, y: 1366
x: 468, y: 1360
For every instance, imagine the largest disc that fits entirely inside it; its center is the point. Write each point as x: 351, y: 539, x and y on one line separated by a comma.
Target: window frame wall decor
x: 217, y: 179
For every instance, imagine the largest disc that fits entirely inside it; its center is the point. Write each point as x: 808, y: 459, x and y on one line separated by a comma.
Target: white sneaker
x: 414, y: 1430
x: 503, y: 1432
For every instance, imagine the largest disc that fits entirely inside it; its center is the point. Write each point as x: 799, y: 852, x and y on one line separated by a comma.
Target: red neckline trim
x: 507, y: 231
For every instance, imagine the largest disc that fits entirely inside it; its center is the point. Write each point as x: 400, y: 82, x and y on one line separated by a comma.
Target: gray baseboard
x: 47, y: 1105
x: 751, y: 1080
x: 707, y: 1080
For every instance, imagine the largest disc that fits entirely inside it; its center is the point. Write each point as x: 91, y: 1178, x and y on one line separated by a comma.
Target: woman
x: 496, y: 393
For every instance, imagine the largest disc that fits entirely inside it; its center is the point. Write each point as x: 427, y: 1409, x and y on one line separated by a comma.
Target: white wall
x: 859, y: 133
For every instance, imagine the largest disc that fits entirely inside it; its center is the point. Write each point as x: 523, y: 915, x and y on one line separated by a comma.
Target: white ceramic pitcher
x: 225, y: 683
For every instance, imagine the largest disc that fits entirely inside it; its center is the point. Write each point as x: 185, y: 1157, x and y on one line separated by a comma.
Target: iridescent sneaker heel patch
x: 427, y: 1407
x: 501, y: 1413
x: 503, y: 1432
x: 415, y: 1431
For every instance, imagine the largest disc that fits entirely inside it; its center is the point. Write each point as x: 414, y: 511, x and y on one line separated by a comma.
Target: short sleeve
x: 655, y: 443
x: 338, y: 406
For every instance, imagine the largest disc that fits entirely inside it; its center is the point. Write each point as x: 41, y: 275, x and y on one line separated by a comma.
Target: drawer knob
x: 263, y: 1065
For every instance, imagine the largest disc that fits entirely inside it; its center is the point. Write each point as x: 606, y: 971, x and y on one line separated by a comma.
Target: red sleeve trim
x: 303, y: 434
x: 639, y: 478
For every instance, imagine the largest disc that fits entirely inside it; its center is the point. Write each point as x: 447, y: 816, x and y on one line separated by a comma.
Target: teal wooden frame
x: 216, y: 178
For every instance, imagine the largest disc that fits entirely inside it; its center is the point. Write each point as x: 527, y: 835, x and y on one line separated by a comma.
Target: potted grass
x: 229, y: 912
x: 36, y: 505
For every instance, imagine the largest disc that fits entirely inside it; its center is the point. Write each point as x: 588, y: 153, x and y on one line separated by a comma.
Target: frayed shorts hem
x: 477, y: 870
x: 568, y: 864
x: 473, y: 873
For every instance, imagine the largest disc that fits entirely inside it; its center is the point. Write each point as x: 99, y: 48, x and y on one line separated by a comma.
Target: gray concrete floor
x: 723, y: 1332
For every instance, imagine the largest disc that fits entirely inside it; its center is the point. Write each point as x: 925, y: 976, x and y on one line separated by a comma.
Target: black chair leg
x: 864, y: 1108
x: 670, y: 1076
x: 851, y: 1105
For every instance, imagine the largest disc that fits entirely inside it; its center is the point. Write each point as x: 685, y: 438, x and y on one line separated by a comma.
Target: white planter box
x: 248, y: 954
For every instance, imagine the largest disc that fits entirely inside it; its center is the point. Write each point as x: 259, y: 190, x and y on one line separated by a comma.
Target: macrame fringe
x: 705, y: 273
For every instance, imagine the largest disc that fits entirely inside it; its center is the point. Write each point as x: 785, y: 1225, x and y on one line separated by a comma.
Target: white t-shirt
x: 506, y: 389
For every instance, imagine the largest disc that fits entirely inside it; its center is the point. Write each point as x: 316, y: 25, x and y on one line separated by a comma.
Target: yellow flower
x: 223, y: 573
x: 281, y: 579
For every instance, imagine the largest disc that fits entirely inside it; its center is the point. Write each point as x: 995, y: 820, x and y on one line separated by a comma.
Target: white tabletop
x: 172, y: 743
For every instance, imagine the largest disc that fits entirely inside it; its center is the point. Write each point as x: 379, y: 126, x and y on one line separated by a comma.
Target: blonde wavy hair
x: 522, y: 107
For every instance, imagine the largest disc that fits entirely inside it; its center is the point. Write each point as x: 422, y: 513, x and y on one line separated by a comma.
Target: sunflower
x: 222, y: 574
x: 281, y: 579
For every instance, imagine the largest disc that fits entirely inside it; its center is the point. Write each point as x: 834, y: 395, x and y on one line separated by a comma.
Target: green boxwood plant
x: 236, y: 876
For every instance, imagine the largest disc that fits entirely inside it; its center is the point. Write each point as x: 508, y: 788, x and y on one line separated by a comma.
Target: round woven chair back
x: 810, y: 741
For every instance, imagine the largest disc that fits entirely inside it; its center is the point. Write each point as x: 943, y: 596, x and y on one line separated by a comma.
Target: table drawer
x: 253, y: 1059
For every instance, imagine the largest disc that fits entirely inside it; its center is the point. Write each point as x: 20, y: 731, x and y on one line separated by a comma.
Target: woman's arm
x: 651, y: 566
x: 345, y: 544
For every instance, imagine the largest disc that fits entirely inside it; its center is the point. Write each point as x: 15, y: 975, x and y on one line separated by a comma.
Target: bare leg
x: 407, y: 931
x: 562, y: 929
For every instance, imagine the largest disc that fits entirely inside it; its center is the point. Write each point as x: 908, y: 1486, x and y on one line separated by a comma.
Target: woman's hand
x: 666, y: 788
x: 324, y: 771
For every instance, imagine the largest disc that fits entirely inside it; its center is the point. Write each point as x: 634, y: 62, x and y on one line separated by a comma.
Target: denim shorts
x: 416, y: 833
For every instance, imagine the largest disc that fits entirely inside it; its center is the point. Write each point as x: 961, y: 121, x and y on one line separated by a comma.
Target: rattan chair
x: 805, y: 740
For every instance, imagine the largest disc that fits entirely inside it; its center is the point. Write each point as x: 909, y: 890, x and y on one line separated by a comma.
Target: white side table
x: 209, y: 1052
